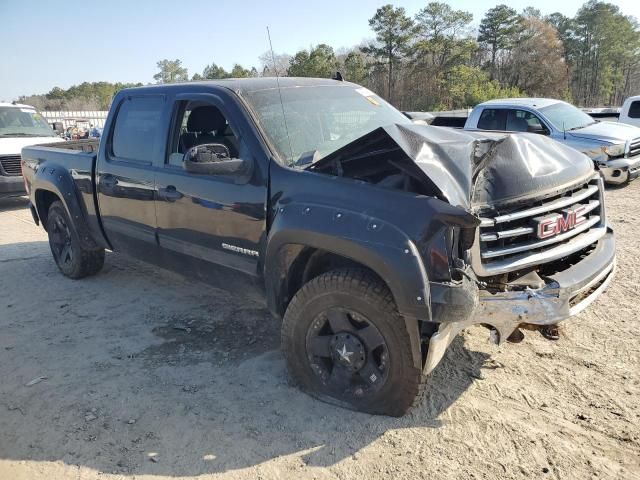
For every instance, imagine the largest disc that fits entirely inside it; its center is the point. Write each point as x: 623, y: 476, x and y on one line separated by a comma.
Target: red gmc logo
x: 554, y: 224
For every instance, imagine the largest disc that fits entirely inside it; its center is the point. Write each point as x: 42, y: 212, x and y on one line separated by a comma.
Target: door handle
x: 170, y: 194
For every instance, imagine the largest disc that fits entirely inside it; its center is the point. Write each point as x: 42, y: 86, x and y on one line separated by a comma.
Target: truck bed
x: 89, y: 146
x: 65, y: 170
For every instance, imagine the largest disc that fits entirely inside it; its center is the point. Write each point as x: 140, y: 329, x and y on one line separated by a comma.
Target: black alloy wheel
x: 346, y: 344
x: 73, y: 260
x: 60, y: 242
x: 347, y: 352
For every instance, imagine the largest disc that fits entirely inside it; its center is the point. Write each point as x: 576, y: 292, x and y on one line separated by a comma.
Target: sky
x: 48, y: 43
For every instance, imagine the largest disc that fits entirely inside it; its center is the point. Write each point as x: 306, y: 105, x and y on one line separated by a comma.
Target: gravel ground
x: 139, y: 373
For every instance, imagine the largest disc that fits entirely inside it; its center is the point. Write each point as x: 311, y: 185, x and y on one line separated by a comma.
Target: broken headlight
x: 614, y: 151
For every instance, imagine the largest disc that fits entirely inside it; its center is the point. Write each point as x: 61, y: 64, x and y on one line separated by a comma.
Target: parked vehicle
x: 375, y: 240
x: 630, y: 111
x: 419, y: 117
x: 614, y: 147
x: 20, y: 125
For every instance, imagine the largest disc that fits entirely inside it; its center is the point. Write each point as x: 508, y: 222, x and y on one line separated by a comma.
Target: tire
x: 72, y: 259
x: 338, y: 369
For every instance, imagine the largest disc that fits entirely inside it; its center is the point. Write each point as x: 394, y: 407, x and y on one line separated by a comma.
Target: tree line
x: 436, y: 59
x: 86, y: 96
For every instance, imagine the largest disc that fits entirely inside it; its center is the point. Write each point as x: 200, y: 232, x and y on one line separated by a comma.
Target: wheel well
x: 44, y: 199
x: 311, y: 263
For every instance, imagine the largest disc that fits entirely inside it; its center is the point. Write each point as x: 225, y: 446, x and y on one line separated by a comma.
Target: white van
x: 20, y: 126
x: 630, y: 111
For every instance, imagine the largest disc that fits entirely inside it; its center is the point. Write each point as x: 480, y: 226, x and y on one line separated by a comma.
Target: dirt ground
x: 151, y: 376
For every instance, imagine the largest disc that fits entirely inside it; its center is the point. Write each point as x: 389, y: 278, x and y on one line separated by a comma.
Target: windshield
x: 566, y: 117
x: 23, y: 122
x: 319, y: 119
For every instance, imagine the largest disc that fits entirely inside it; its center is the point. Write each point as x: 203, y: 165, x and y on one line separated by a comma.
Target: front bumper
x: 566, y: 294
x: 621, y: 170
x: 11, y: 186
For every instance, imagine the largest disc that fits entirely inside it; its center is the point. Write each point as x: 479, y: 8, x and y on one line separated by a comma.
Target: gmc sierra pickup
x: 375, y: 240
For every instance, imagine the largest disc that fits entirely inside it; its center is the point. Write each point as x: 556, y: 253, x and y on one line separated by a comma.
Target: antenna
x: 284, y: 117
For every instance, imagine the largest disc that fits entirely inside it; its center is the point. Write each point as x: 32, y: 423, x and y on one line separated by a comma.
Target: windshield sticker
x: 365, y: 92
x: 373, y: 101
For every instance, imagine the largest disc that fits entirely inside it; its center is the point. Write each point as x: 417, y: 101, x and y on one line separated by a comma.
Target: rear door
x: 126, y: 176
x: 210, y: 224
x: 492, y: 119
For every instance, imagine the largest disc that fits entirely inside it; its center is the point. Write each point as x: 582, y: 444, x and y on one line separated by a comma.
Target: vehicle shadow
x: 13, y: 203
x: 150, y: 373
x: 613, y: 187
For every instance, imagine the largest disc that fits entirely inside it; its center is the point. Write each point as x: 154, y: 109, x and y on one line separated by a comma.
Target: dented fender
x: 406, y: 239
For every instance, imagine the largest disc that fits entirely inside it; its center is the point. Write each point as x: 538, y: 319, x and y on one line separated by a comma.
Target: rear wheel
x: 72, y: 259
x: 345, y: 343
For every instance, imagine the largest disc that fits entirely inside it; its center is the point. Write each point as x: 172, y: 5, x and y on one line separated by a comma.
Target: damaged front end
x: 542, y: 250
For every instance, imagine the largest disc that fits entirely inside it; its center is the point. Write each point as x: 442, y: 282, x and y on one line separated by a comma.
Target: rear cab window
x: 138, y: 129
x: 634, y: 109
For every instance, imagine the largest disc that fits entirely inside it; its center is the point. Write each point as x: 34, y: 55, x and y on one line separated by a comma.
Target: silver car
x: 614, y: 147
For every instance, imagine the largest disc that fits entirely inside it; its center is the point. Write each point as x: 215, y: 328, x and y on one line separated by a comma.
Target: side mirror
x: 212, y: 159
x: 539, y: 130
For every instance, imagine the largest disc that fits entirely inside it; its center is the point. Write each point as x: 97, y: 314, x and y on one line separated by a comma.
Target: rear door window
x: 492, y: 119
x: 138, y: 129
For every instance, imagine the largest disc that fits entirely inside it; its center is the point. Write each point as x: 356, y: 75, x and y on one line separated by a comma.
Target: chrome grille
x: 509, y: 241
x: 634, y: 148
x: 10, y: 165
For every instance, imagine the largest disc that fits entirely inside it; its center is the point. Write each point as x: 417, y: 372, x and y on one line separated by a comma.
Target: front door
x: 210, y: 224
x: 126, y: 179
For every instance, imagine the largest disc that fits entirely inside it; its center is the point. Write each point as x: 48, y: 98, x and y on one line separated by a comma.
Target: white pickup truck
x: 630, y: 111
x: 614, y: 147
x: 20, y: 126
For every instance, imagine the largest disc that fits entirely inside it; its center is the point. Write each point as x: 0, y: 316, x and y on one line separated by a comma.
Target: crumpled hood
x: 473, y: 169
x: 608, y: 132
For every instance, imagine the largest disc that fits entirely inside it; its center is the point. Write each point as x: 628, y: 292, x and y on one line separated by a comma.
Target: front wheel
x: 72, y: 259
x: 345, y: 343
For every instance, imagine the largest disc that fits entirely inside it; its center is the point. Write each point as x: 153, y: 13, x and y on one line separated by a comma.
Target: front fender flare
x: 372, y: 242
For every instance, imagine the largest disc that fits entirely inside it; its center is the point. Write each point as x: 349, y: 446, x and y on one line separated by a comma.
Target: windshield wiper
x: 307, y: 158
x: 580, y: 126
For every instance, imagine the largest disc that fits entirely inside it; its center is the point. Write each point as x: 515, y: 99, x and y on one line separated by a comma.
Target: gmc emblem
x: 556, y: 223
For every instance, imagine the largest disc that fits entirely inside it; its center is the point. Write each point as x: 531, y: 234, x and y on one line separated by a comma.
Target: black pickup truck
x: 374, y: 239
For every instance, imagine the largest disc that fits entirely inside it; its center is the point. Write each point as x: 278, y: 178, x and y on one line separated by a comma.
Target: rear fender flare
x: 57, y: 180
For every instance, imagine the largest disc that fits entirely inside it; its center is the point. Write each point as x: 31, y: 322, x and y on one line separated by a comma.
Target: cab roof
x: 524, y: 102
x: 247, y: 85
x: 16, y: 105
